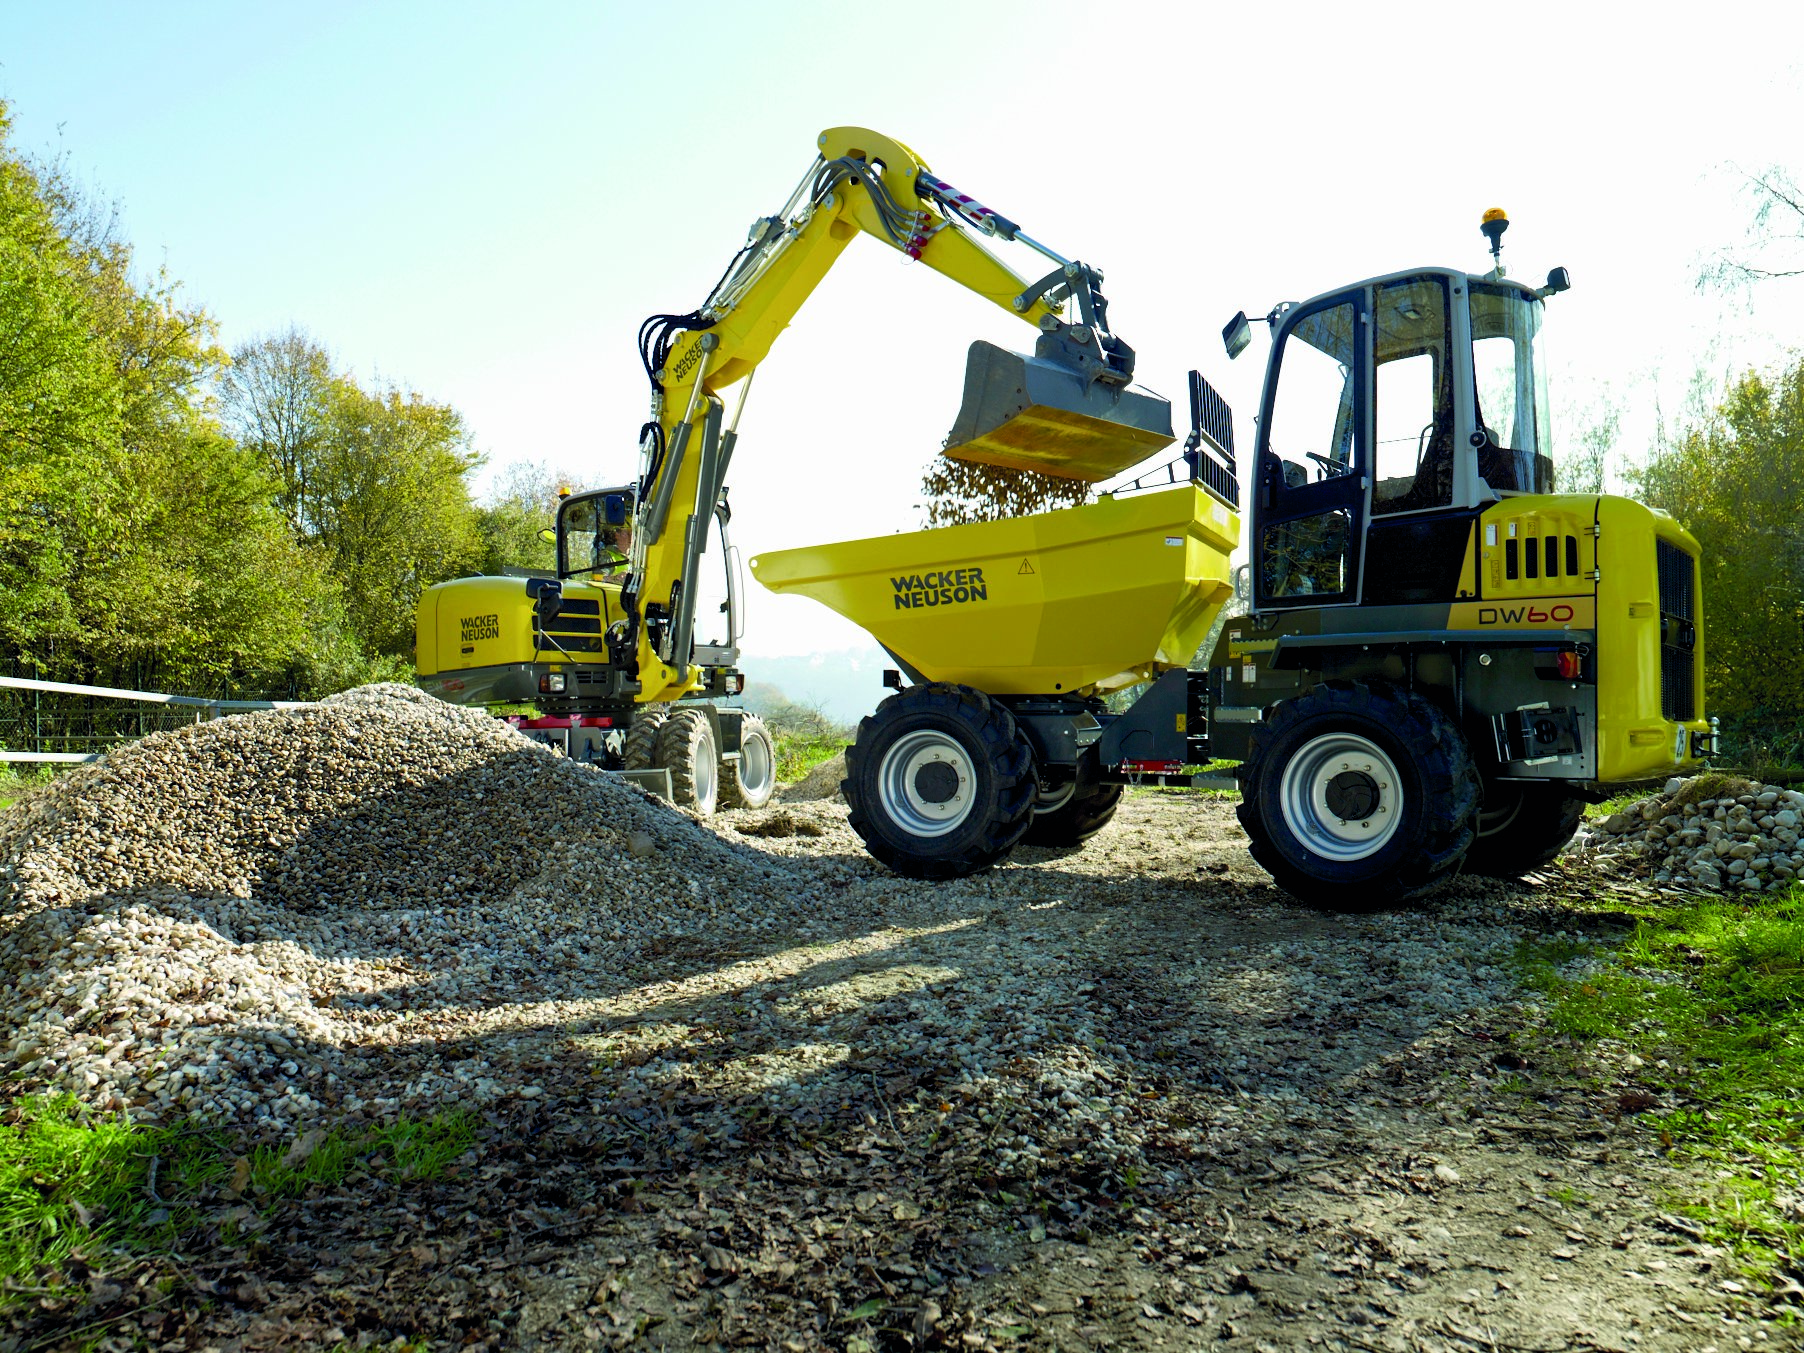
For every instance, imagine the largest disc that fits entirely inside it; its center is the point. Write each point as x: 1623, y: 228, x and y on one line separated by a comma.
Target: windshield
x: 1510, y: 384
x: 590, y: 545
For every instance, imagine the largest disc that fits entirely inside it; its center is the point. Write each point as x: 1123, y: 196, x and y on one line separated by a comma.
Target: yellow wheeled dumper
x: 1444, y: 658
x: 625, y: 664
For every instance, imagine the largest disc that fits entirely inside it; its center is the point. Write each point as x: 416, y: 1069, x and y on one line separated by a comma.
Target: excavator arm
x: 1065, y: 410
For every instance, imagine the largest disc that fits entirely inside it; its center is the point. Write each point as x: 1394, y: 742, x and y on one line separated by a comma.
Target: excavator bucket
x: 1030, y: 413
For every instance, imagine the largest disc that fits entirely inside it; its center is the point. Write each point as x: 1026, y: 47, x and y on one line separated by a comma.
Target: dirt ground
x: 1128, y: 1096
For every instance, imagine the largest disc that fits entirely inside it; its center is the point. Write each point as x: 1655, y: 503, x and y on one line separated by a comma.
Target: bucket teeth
x: 1031, y: 413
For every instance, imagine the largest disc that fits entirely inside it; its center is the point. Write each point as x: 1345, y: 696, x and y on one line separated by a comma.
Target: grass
x: 1710, y: 998
x: 18, y: 781
x: 800, y: 752
x: 74, y: 1183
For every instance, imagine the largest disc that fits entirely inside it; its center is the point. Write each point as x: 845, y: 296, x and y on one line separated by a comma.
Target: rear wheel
x: 1076, y: 819
x: 750, y: 781
x: 1522, y: 827
x: 1358, y: 796
x: 939, y: 781
x: 641, y: 749
x: 686, y: 749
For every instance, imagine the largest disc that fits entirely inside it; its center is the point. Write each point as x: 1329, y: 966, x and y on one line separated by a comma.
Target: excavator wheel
x: 750, y: 781
x: 686, y: 749
x: 1358, y: 796
x: 940, y: 782
x: 1522, y: 827
x: 1075, y: 820
x: 641, y: 750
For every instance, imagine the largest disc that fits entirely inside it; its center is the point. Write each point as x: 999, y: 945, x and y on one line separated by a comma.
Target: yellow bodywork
x: 488, y: 622
x: 1613, y: 592
x: 1079, y: 601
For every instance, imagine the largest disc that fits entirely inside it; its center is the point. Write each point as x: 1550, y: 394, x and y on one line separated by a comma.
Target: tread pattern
x: 1536, y: 834
x: 685, y: 739
x: 1438, y: 831
x: 732, y: 792
x: 641, y: 750
x: 1077, y: 820
x: 1005, y: 771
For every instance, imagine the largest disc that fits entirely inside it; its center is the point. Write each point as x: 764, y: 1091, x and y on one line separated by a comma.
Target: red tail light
x: 1569, y: 665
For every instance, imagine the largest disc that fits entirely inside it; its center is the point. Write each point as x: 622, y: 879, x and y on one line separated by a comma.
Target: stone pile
x: 213, y: 922
x: 1711, y: 832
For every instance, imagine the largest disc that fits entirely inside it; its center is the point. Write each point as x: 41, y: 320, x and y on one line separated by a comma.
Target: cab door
x: 1314, y: 458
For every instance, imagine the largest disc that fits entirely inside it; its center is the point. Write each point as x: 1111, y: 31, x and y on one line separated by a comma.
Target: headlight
x: 552, y: 683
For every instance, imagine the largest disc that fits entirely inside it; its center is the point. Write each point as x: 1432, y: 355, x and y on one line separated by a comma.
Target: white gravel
x: 1708, y: 833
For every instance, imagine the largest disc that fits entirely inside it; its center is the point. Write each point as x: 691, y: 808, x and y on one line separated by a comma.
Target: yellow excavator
x: 605, y: 648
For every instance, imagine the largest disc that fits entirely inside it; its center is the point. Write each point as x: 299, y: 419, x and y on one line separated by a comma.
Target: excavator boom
x: 1067, y: 410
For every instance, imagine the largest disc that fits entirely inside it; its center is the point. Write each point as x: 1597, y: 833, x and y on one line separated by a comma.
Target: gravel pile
x: 217, y: 921
x: 820, y: 783
x: 1714, y: 832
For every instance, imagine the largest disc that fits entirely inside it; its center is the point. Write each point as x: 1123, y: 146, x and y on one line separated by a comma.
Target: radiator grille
x: 1678, y: 581
x: 1678, y: 641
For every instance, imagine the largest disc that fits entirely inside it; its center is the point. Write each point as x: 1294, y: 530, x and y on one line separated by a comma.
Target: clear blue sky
x: 482, y: 201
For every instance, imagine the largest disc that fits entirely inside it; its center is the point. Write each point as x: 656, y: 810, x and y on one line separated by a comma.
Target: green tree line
x: 177, y: 517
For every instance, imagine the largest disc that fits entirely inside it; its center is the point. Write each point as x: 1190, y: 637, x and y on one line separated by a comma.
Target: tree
x: 277, y: 400
x: 1736, y: 480
x: 390, y: 506
x: 1774, y: 247
x: 522, y: 505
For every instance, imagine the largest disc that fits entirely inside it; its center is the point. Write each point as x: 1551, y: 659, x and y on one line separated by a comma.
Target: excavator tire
x: 940, y: 782
x: 1519, y: 828
x: 750, y: 781
x: 1358, y: 796
x: 686, y: 749
x: 641, y: 750
x: 1077, y: 819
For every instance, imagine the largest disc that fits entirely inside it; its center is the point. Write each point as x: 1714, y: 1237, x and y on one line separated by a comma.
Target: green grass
x: 16, y: 781
x: 77, y: 1182
x: 799, y: 753
x: 1711, y: 998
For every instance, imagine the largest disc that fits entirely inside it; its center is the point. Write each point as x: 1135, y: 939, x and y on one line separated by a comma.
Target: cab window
x: 1312, y: 426
x: 1414, y: 397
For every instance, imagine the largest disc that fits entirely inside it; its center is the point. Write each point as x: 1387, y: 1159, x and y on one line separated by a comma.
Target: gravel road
x: 742, y: 1086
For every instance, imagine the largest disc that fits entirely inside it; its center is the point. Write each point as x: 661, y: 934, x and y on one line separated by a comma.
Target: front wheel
x: 939, y: 782
x: 1521, y: 827
x: 1358, y: 796
x: 686, y: 749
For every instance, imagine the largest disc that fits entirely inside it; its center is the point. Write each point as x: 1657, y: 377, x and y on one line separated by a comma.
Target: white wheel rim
x: 1340, y: 797
x: 927, y: 783
x: 756, y: 769
x: 1051, y: 802
x: 707, y: 775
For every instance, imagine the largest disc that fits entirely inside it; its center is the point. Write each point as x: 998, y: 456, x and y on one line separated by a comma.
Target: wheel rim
x: 927, y: 783
x: 1493, y: 819
x: 1340, y: 796
x: 706, y: 773
x: 1057, y: 798
x: 756, y: 769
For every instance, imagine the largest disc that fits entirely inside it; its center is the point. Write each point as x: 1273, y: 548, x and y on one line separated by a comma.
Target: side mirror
x: 548, y: 598
x: 548, y: 535
x: 613, y: 509
x: 1557, y: 281
x: 1237, y: 335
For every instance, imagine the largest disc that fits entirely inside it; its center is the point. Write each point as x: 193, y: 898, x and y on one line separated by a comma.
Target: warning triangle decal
x: 1026, y: 566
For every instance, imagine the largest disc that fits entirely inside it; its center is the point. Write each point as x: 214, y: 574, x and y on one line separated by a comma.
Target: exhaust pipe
x: 1057, y: 412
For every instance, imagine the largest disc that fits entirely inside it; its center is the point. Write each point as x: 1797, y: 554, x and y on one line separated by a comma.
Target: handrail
x: 147, y: 697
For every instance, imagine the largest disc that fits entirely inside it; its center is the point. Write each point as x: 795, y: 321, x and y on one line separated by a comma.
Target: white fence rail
x: 208, y: 707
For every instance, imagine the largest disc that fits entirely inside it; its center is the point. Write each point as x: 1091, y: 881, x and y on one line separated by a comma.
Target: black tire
x: 641, y: 749
x: 1408, y: 823
x: 1519, y: 828
x: 750, y: 781
x: 939, y: 781
x: 686, y: 749
x: 1077, y: 819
